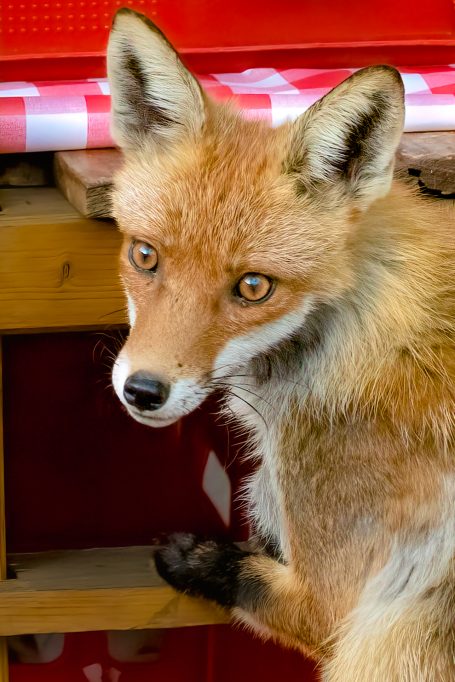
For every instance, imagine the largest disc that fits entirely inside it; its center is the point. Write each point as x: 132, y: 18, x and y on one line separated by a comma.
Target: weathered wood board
x: 430, y: 158
x: 95, y: 589
x: 85, y: 177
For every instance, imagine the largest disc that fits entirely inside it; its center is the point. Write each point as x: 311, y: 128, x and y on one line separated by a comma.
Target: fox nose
x: 144, y: 391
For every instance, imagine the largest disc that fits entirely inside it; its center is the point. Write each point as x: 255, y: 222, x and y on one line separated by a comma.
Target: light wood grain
x: 58, y: 270
x: 85, y: 177
x: 3, y: 645
x: 99, y: 589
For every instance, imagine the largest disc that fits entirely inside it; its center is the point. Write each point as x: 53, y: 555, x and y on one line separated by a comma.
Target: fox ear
x: 154, y: 97
x: 349, y: 137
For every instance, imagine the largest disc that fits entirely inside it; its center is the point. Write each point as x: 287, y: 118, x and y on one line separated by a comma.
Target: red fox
x: 287, y: 267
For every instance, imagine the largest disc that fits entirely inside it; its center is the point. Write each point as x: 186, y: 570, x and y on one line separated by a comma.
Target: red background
x: 59, y: 39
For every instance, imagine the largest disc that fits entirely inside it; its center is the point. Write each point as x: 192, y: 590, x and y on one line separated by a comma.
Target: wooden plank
x: 3, y: 642
x: 85, y: 177
x: 57, y: 269
x: 97, y: 589
x: 430, y: 158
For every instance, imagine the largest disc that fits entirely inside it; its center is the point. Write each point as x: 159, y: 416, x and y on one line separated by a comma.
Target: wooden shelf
x: 96, y: 589
x: 58, y: 270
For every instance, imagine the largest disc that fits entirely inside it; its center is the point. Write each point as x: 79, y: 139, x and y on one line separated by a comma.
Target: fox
x: 291, y: 269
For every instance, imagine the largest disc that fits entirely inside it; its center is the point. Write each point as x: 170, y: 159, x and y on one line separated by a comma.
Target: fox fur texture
x: 342, y: 372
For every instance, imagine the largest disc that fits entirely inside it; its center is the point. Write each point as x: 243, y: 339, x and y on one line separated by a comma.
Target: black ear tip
x: 382, y: 77
x: 388, y: 68
x: 126, y: 11
x: 122, y: 12
x: 383, y: 70
x: 390, y: 71
x: 394, y: 76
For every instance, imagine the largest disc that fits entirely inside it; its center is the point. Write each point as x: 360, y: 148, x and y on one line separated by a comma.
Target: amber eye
x: 254, y: 287
x: 143, y: 256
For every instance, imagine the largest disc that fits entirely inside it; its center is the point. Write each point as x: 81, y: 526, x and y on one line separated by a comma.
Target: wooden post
x: 3, y: 641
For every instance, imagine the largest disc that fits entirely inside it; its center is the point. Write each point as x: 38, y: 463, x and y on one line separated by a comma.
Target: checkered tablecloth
x: 47, y: 116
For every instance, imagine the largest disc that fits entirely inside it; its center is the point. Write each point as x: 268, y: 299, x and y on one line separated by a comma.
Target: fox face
x: 233, y: 232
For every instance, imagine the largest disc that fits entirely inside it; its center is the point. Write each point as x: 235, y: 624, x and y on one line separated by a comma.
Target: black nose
x: 145, y: 392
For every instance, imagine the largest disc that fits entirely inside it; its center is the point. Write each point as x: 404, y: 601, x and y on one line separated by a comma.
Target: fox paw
x: 201, y: 568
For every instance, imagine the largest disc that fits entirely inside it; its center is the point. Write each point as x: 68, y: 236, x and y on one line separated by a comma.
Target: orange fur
x: 356, y: 478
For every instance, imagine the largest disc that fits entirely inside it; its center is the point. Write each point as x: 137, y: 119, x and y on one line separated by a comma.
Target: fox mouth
x: 222, y: 387
x: 151, y: 419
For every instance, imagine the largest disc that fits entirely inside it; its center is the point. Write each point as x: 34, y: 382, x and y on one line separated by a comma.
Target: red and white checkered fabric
x: 46, y: 116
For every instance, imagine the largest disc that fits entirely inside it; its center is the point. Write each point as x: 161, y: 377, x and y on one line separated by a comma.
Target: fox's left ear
x: 154, y: 97
x: 348, y: 139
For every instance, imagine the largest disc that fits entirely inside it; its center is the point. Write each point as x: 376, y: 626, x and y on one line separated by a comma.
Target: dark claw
x: 201, y: 568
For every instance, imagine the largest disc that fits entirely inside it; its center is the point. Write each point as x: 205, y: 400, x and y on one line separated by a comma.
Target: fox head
x: 234, y: 232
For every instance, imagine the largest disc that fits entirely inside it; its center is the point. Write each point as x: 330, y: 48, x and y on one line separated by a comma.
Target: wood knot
x: 66, y: 270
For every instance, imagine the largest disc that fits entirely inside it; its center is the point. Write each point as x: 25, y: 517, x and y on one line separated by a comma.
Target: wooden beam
x: 3, y: 642
x: 85, y: 177
x: 429, y: 158
x: 99, y: 589
x: 58, y: 270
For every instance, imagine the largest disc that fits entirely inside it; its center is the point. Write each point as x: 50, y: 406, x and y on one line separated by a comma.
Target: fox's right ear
x: 347, y: 140
x: 154, y: 97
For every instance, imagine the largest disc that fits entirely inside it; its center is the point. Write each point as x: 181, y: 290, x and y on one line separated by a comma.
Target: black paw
x: 201, y: 568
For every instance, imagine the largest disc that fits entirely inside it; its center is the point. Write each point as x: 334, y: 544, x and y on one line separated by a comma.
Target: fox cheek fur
x: 343, y: 375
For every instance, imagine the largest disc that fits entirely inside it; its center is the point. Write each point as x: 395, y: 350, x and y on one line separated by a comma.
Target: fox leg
x: 259, y: 590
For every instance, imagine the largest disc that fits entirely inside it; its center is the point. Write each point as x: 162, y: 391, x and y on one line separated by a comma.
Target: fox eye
x: 143, y: 256
x: 254, y: 287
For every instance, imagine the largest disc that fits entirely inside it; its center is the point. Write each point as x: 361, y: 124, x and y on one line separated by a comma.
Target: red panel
x: 80, y: 472
x: 214, y: 654
x: 47, y: 27
x: 218, y: 23
x: 86, y: 650
x: 216, y: 34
